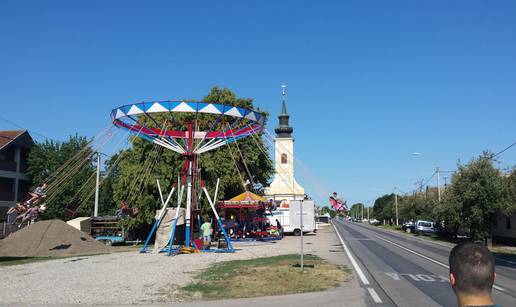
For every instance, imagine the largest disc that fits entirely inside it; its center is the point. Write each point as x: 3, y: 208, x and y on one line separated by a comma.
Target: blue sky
x: 369, y: 82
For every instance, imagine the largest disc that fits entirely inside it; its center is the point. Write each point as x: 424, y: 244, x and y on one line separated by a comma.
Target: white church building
x: 284, y: 186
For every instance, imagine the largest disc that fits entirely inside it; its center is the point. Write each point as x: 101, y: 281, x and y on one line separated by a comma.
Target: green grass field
x: 265, y: 277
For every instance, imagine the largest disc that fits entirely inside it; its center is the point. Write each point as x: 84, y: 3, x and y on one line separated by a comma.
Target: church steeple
x: 283, y: 130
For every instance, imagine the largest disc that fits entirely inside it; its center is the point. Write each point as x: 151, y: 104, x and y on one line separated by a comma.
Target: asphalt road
x: 400, y: 270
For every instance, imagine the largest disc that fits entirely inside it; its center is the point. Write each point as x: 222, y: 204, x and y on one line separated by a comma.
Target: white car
x: 374, y: 222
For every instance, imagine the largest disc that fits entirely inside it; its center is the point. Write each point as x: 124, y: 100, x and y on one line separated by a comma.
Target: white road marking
x: 427, y: 258
x: 363, y: 278
x: 374, y: 295
x: 425, y: 277
x: 353, y: 262
x: 372, y: 292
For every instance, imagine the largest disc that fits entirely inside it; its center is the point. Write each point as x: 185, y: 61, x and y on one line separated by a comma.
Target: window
x: 508, y: 221
x: 283, y: 158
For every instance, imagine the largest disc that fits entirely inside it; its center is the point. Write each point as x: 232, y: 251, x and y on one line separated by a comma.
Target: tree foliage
x: 383, y: 208
x: 328, y: 210
x: 356, y: 210
x: 65, y: 167
x: 477, y: 192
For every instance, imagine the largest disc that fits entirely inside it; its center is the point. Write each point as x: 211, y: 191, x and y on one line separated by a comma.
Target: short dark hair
x: 473, y: 267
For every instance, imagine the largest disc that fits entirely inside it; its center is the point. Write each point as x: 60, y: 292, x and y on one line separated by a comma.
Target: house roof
x: 9, y: 136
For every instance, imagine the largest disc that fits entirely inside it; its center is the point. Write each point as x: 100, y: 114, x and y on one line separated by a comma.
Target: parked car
x: 425, y: 227
x: 408, y: 227
x: 374, y: 222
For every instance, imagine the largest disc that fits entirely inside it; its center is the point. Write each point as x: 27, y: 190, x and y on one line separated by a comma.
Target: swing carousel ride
x: 189, y: 129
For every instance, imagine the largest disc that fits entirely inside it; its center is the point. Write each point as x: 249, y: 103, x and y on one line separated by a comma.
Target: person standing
x: 472, y: 275
x: 206, y: 233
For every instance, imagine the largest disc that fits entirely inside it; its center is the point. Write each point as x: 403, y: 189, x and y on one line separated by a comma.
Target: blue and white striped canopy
x: 185, y: 106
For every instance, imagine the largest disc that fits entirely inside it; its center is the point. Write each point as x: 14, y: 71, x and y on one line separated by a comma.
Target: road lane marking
x: 363, y: 278
x: 418, y: 277
x: 394, y: 276
x: 428, y: 258
x: 374, y: 295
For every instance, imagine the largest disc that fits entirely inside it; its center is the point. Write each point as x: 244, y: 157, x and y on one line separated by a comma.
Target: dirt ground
x: 134, y: 278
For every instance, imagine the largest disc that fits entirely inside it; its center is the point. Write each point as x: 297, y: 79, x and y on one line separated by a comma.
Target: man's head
x: 472, y: 269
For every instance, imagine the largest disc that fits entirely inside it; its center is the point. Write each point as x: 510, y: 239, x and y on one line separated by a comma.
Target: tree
x: 145, y: 162
x: 65, y: 167
x: 356, y: 210
x: 478, y: 189
x: 383, y: 208
x: 509, y: 206
x: 328, y: 210
x: 417, y: 206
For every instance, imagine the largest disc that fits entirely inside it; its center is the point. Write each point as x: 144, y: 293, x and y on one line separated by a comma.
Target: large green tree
x: 479, y: 191
x: 66, y: 167
x: 383, y: 208
x: 236, y: 164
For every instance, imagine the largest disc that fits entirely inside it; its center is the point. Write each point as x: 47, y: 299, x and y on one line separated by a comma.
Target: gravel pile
x: 52, y: 238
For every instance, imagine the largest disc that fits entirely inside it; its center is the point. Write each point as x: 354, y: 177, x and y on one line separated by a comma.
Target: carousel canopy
x: 248, y: 196
x: 244, y: 200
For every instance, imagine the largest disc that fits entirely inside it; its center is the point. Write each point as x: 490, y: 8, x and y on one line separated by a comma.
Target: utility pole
x: 96, y: 210
x: 396, y: 206
x: 301, y: 226
x: 438, y: 186
x: 362, y: 215
x: 368, y: 213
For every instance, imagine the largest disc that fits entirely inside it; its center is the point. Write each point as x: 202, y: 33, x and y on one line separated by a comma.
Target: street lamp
x: 437, y: 172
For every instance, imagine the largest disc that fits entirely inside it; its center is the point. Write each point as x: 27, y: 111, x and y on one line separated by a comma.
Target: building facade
x: 284, y: 186
x: 504, y: 229
x: 14, y: 182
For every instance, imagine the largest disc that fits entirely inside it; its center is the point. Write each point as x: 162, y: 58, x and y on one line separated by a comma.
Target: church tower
x: 284, y: 185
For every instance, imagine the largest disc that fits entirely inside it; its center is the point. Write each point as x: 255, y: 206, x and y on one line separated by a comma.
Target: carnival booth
x: 245, y: 218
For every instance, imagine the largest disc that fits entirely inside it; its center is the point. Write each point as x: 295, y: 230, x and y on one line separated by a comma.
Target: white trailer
x: 289, y: 216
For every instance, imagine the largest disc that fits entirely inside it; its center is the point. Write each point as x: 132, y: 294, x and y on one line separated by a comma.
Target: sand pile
x: 52, y: 238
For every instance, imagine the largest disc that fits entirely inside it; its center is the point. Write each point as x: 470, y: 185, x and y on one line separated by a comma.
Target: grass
x: 265, y: 277
x: 391, y: 227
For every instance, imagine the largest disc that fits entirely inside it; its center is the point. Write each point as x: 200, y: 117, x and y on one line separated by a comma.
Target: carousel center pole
x: 189, y: 181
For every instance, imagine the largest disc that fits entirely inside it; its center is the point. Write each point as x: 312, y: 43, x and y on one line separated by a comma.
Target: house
x: 504, y: 229
x: 14, y: 182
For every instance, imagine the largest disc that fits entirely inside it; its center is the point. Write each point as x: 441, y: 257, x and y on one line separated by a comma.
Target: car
x: 424, y: 227
x: 408, y: 227
x: 374, y: 222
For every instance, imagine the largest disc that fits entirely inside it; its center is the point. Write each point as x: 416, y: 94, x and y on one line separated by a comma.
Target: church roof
x: 283, y: 130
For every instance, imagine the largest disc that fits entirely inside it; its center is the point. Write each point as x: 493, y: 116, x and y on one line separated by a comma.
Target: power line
x: 31, y: 131
x: 504, y: 150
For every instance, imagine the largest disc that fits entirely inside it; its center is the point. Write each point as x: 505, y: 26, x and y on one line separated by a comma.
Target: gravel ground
x: 133, y: 278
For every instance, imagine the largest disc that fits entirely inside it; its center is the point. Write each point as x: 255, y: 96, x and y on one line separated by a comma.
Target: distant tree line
x: 477, y: 192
